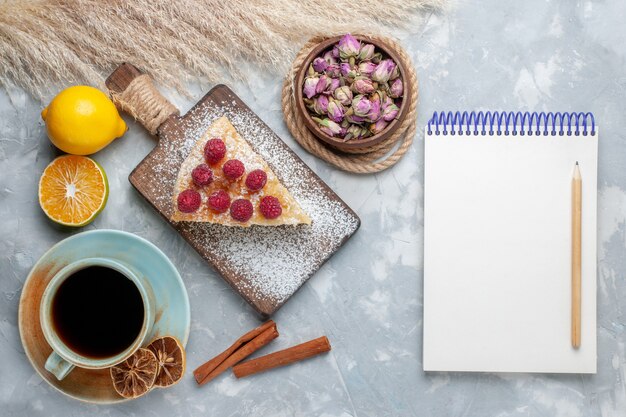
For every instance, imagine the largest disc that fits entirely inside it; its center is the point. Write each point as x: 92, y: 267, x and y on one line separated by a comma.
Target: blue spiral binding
x: 513, y: 122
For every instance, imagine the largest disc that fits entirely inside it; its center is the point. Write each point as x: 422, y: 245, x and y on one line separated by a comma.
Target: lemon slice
x: 73, y: 190
x: 136, y: 375
x: 171, y: 357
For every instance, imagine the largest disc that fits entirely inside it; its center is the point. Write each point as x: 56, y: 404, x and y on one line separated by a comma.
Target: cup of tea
x: 95, y: 313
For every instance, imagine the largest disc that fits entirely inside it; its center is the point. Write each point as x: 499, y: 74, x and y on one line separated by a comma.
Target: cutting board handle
x: 135, y: 93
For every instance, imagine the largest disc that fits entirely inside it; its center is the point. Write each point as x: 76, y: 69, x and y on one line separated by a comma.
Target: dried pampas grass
x: 47, y: 43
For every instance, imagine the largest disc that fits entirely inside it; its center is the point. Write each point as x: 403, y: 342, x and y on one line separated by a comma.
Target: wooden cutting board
x: 265, y: 265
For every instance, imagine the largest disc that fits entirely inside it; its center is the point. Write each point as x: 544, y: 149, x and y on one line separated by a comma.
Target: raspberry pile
x: 219, y: 201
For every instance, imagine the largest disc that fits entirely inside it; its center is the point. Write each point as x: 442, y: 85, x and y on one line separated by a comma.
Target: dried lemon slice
x: 171, y: 358
x: 136, y: 375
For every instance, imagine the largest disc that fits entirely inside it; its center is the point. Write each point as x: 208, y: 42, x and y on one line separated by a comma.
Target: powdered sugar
x: 266, y: 263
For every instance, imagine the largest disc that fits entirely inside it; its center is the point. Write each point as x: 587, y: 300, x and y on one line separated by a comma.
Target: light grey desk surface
x: 501, y: 55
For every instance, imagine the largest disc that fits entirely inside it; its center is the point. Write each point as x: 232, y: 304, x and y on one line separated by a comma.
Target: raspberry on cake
x: 202, y: 175
x: 219, y: 201
x: 214, y: 151
x: 231, y: 198
x: 189, y: 201
x: 270, y: 207
x: 233, y: 169
x: 241, y: 210
x: 256, y: 180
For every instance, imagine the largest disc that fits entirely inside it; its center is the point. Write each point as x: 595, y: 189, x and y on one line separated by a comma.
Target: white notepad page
x: 497, y: 253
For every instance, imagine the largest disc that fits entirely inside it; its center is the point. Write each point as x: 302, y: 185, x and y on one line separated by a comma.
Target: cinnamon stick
x: 251, y: 341
x: 283, y: 357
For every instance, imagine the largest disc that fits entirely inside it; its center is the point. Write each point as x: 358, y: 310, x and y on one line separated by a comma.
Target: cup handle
x: 58, y: 366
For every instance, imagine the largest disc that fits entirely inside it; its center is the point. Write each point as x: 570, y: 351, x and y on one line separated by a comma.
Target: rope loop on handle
x: 143, y: 101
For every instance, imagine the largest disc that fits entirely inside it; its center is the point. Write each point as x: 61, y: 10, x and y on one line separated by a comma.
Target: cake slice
x: 224, y: 181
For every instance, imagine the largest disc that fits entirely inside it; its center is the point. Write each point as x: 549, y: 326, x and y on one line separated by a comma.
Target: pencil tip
x: 576, y: 162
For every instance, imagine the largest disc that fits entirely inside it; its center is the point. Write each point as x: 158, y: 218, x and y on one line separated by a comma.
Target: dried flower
x: 396, y: 88
x: 366, y: 68
x: 395, y: 73
x: 335, y: 52
x: 355, y: 132
x: 366, y: 52
x: 335, y: 111
x: 348, y: 46
x: 390, y: 112
x: 374, y: 113
x: 363, y: 85
x: 329, y: 58
x: 320, y: 104
x: 310, y: 86
x: 320, y: 64
x: 354, y: 119
x: 378, y: 127
x: 348, y: 70
x: 383, y: 71
x: 333, y: 70
x: 328, y: 126
x: 343, y: 95
x: 334, y: 84
x: 322, y: 84
x: 385, y: 101
x: 361, y: 105
x: 377, y: 58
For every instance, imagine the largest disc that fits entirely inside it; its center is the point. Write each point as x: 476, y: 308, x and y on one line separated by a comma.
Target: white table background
x: 499, y: 55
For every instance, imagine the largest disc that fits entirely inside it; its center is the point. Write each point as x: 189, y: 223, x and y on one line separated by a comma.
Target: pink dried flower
x: 367, y: 52
x: 396, y: 88
x: 363, y: 85
x: 343, y: 95
x: 334, y: 84
x: 335, y: 111
x: 347, y: 70
x: 351, y: 118
x: 310, y: 86
x: 320, y: 64
x: 320, y: 104
x: 374, y: 113
x: 348, y: 46
x: 329, y: 57
x: 383, y: 71
x: 333, y: 70
x: 366, y: 68
x: 378, y: 127
x: 395, y: 73
x: 361, y: 105
x: 322, y: 84
x: 390, y: 112
x: 355, y: 132
x: 328, y: 126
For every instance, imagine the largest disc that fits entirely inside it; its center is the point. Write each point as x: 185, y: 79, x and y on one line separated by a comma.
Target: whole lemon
x: 81, y: 120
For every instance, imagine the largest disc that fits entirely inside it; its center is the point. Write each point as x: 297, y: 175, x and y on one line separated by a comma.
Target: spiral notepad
x: 497, y: 241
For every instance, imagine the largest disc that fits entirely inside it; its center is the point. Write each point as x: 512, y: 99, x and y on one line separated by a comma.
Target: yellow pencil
x: 576, y: 254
